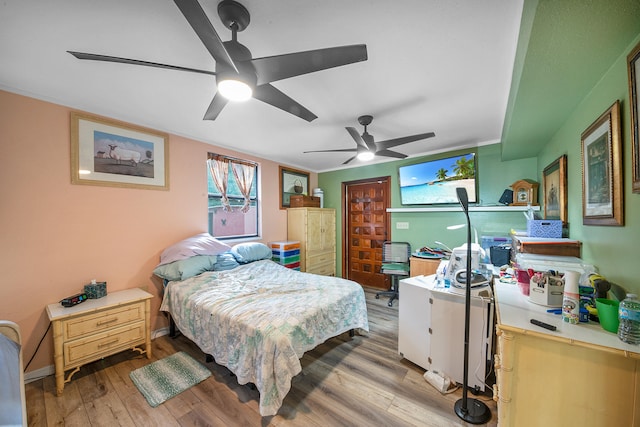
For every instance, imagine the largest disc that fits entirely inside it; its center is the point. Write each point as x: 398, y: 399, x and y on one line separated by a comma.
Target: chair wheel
x: 390, y: 303
x: 377, y: 296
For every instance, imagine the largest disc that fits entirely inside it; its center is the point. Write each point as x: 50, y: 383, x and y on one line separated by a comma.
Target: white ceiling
x: 434, y: 65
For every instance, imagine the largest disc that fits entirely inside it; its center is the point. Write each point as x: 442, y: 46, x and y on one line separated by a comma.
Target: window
x: 233, y: 197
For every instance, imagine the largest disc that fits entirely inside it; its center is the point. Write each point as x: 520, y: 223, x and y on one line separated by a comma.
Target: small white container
x: 548, y: 292
x: 317, y: 192
x: 571, y: 299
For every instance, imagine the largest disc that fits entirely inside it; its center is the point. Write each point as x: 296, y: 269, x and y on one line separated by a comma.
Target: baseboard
x: 159, y: 332
x: 38, y: 374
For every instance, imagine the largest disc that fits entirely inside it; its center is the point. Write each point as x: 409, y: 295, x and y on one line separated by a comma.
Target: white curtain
x: 244, y: 175
x: 220, y: 173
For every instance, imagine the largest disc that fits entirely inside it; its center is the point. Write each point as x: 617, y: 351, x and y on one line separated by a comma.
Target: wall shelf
x: 457, y: 208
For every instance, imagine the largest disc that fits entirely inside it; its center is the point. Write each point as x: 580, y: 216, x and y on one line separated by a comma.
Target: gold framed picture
x: 111, y: 153
x: 555, y: 189
x: 602, y: 178
x: 292, y: 182
x: 633, y: 62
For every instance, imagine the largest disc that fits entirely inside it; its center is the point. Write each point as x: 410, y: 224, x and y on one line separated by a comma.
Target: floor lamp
x: 472, y: 411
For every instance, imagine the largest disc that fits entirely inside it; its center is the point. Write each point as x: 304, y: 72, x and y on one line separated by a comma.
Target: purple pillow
x: 201, y: 244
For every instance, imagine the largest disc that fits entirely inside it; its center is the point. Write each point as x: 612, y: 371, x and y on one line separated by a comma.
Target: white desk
x: 576, y: 375
x: 431, y: 329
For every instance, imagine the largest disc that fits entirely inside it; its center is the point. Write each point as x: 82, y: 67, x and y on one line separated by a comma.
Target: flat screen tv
x: 435, y: 181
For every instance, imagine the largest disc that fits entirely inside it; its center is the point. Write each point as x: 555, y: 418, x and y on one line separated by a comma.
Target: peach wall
x: 56, y: 236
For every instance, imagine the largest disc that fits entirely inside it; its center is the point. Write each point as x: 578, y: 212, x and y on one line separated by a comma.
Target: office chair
x: 395, y: 263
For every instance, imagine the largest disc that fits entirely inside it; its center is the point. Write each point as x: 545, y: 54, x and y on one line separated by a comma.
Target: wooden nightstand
x: 98, y: 328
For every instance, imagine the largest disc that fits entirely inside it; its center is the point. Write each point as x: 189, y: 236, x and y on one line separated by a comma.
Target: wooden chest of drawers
x: 98, y: 328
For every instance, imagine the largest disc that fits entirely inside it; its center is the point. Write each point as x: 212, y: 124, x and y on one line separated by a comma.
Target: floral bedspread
x: 259, y: 319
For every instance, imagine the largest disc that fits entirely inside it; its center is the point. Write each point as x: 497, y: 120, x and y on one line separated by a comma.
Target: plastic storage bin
x: 286, y: 253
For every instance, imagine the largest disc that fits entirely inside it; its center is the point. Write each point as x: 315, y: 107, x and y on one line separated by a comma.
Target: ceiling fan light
x: 365, y: 156
x: 235, y: 90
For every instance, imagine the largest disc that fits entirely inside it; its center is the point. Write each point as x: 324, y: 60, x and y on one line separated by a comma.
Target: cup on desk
x: 608, y: 314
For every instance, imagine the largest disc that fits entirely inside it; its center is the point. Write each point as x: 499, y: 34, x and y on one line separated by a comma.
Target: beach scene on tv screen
x: 435, y: 182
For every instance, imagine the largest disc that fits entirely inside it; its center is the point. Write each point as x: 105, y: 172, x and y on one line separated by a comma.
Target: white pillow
x: 200, y: 244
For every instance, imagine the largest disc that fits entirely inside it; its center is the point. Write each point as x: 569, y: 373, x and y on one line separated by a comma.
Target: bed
x: 258, y: 318
x: 13, y: 411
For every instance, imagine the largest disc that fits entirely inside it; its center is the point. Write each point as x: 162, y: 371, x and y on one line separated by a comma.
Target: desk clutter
x: 575, y: 290
x: 93, y: 290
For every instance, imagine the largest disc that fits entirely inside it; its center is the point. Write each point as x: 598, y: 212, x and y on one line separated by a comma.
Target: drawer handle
x: 106, y: 322
x: 107, y: 344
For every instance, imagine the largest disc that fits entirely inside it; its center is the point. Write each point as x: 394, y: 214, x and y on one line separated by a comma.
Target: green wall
x: 494, y: 176
x: 613, y: 250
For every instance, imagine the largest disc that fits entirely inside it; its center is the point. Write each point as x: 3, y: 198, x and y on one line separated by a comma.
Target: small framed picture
x: 555, y: 189
x: 292, y: 182
x: 602, y: 178
x: 112, y: 153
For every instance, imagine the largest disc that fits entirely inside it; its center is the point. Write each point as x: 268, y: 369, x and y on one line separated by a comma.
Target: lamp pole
x: 472, y: 411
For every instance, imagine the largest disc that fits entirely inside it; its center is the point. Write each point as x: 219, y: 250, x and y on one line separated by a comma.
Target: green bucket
x: 608, y: 314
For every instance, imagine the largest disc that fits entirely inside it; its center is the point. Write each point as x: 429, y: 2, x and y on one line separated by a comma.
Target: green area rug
x: 168, y: 377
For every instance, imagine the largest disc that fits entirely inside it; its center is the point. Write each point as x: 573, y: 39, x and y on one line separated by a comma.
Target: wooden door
x: 367, y: 224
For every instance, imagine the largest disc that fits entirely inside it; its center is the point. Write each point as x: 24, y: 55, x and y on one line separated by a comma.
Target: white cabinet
x: 315, y: 229
x: 431, y: 329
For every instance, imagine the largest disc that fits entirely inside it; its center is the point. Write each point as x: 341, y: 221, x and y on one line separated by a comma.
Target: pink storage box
x: 523, y: 281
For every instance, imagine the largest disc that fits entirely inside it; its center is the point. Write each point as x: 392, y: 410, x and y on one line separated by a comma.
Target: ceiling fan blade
x: 390, y: 143
x: 356, y: 137
x: 106, y: 58
x: 389, y: 153
x: 349, y: 160
x: 344, y: 150
x: 274, y: 68
x: 198, y: 20
x: 217, y: 104
x: 272, y: 96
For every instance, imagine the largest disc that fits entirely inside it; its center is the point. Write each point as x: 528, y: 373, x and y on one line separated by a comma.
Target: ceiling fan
x: 367, y: 148
x: 238, y: 75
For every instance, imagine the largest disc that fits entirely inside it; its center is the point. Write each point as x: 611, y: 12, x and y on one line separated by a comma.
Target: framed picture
x: 633, y: 61
x: 292, y: 182
x: 602, y: 178
x: 117, y: 154
x: 555, y: 189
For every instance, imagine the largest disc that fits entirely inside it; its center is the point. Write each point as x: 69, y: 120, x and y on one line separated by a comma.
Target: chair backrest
x: 396, y: 252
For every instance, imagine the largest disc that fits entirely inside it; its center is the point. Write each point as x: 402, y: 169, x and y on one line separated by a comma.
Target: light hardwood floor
x: 359, y: 381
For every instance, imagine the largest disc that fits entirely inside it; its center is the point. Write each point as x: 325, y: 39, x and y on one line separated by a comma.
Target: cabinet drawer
x: 102, y: 320
x: 103, y: 344
x: 322, y: 258
x: 327, y: 269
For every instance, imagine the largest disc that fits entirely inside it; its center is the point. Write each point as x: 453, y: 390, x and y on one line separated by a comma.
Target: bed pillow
x: 250, y: 252
x: 185, y: 268
x: 200, y: 244
x: 225, y: 261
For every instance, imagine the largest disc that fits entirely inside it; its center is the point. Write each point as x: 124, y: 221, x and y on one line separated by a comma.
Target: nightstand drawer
x: 103, y: 344
x: 102, y: 320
